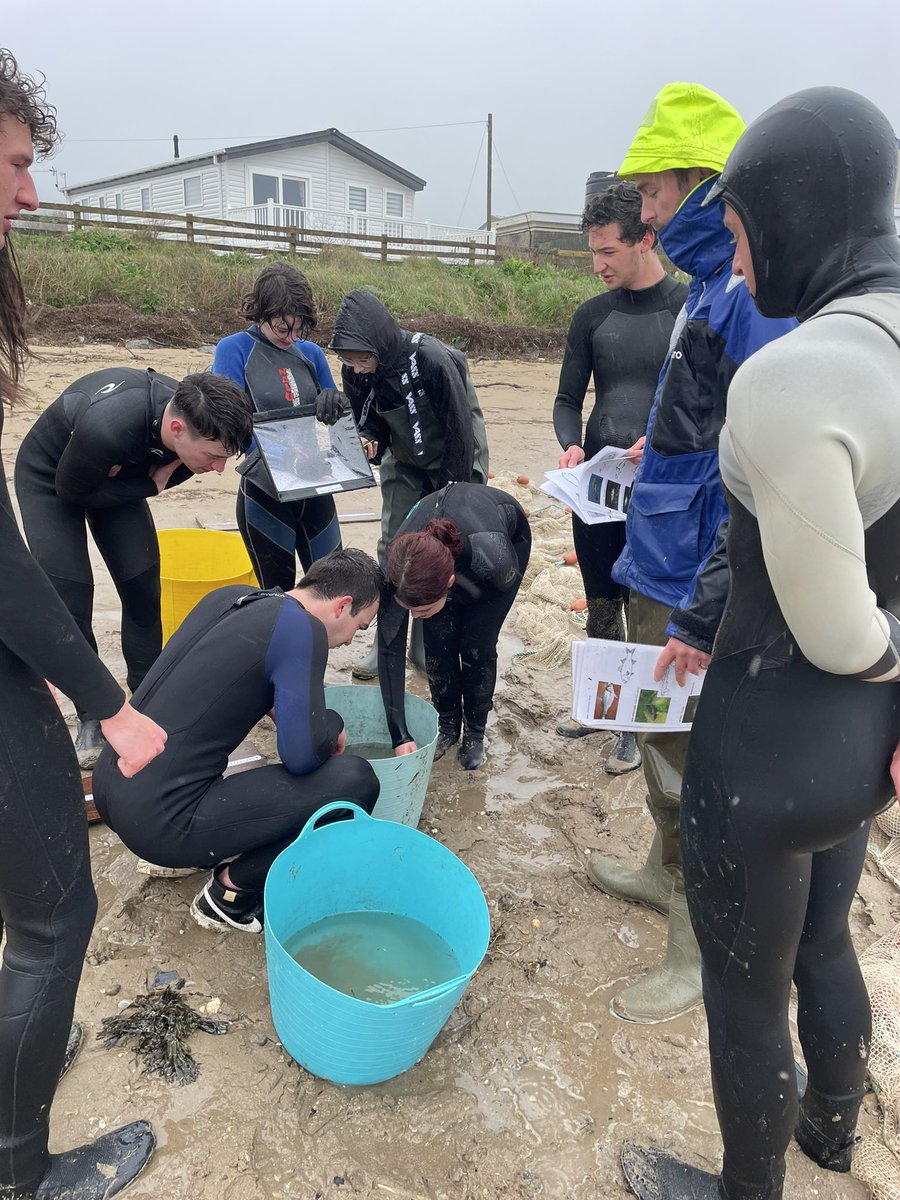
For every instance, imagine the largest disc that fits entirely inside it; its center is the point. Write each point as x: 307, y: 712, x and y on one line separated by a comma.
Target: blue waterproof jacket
x: 678, y: 505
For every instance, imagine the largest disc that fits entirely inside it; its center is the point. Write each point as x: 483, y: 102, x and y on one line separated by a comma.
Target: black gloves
x: 330, y: 406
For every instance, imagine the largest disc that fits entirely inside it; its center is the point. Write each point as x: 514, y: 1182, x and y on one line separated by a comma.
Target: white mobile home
x: 322, y: 180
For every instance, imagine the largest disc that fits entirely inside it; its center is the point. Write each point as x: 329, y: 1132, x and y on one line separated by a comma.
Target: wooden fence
x: 216, y: 233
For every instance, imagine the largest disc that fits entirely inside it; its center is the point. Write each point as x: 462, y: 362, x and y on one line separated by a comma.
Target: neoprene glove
x: 330, y: 406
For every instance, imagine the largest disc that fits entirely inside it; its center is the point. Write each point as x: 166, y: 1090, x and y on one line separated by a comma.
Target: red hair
x: 419, y: 565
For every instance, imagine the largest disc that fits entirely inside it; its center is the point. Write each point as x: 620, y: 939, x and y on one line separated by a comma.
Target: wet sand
x: 532, y: 1086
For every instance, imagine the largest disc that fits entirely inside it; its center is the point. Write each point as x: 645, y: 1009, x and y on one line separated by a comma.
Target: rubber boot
x: 471, y: 752
x: 651, y: 885
x: 367, y: 667
x: 449, y: 728
x: 673, y: 987
x: 625, y: 755
x: 416, y: 652
x: 654, y: 1175
x: 826, y: 1128
x: 89, y: 743
x: 98, y: 1170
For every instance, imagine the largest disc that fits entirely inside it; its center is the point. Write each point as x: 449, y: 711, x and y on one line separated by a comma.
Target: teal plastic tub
x: 362, y: 864
x: 404, y: 780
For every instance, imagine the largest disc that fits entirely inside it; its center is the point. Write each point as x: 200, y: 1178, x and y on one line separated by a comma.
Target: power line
x: 472, y: 177
x: 247, y: 137
x: 506, y: 177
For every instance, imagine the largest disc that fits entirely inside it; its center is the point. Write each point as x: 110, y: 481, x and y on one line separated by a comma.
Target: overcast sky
x: 567, y: 81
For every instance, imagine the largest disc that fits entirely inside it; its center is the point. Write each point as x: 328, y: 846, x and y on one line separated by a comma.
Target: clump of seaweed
x: 159, y: 1023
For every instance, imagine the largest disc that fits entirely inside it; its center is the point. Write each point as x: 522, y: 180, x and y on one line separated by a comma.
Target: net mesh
x: 543, y: 616
x: 876, y: 1160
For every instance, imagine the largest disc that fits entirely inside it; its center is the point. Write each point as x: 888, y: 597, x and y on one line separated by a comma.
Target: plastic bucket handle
x: 334, y: 806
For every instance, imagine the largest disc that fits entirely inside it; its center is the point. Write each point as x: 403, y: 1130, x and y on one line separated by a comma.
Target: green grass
x: 156, y: 277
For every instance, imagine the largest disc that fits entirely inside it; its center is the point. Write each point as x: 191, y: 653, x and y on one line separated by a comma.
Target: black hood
x: 812, y: 181
x: 363, y: 323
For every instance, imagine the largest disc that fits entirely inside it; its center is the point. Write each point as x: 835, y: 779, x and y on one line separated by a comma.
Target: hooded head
x: 686, y: 126
x: 812, y: 181
x: 363, y: 325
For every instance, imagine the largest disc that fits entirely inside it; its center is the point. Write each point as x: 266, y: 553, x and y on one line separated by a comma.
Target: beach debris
x: 159, y: 1024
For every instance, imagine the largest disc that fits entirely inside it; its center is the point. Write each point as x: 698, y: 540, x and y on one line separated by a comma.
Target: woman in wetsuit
x: 457, y: 562
x: 278, y: 368
x: 791, y: 749
x: 47, y: 898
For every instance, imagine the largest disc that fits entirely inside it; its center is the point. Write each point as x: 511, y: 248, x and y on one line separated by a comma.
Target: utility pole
x: 490, y: 161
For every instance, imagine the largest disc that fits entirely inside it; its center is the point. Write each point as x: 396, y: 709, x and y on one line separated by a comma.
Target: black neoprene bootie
x: 654, y: 1175
x: 471, y: 752
x: 448, y: 735
x: 826, y: 1128
x: 99, y: 1170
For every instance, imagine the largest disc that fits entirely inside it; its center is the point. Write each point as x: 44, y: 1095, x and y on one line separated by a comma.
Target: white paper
x: 598, y: 490
x: 613, y: 688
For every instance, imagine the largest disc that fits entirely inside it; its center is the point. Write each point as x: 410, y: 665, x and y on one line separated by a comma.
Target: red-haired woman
x: 457, y: 562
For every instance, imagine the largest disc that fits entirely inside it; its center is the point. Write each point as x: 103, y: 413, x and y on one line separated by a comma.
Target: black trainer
x: 219, y: 907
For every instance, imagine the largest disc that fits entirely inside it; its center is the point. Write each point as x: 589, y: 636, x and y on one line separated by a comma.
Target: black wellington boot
x: 471, y: 752
x: 826, y: 1128
x: 654, y: 1175
x: 449, y: 728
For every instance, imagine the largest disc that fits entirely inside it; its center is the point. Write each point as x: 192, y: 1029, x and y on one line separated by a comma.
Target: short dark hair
x: 281, y: 290
x: 349, y: 572
x: 214, y: 407
x: 619, y: 205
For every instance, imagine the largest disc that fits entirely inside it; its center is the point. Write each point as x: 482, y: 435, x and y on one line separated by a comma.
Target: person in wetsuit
x: 413, y: 398
x: 456, y: 563
x: 90, y: 461
x: 807, y: 658
x: 677, y: 508
x: 240, y: 654
x: 279, y: 368
x: 47, y: 897
x: 620, y: 338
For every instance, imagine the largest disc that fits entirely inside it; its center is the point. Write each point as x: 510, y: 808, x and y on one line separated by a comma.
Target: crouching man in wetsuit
x: 413, y: 397
x: 243, y: 653
x: 112, y: 439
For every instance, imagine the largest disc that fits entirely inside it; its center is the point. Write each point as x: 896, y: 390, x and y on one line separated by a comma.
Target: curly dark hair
x: 23, y: 98
x: 281, y: 291
x: 620, y: 204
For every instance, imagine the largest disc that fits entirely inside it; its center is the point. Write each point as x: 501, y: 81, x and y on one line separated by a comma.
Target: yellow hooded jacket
x: 687, y: 125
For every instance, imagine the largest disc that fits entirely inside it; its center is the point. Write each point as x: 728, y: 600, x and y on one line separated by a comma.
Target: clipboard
x: 303, y: 457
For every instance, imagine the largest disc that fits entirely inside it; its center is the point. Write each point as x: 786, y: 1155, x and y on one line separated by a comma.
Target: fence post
x: 472, y: 253
x: 189, y: 222
x: 292, y: 239
x: 384, y: 248
x: 79, y: 223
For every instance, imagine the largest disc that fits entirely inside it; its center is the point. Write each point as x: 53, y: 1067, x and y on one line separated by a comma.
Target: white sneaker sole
x: 222, y: 922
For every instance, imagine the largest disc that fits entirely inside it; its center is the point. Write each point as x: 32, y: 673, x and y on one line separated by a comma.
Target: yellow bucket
x: 194, y: 562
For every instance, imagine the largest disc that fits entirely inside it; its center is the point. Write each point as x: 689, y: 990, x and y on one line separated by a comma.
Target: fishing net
x: 876, y: 1160
x: 543, y: 617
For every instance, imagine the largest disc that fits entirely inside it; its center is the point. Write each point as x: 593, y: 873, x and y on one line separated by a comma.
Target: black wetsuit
x: 621, y: 338
x: 237, y: 655
x: 800, y: 710
x: 419, y: 405
x: 47, y: 899
x: 275, y: 531
x: 108, y: 419
x: 460, y: 640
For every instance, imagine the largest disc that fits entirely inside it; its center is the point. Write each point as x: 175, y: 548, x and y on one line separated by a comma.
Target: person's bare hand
x: 341, y: 745
x: 688, y: 660
x: 572, y: 457
x: 405, y: 748
x: 162, y: 474
x: 135, y: 738
x: 636, y: 452
x: 371, y: 449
